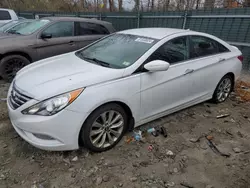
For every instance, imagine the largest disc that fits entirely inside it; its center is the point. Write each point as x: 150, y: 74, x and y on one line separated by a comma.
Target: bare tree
x: 111, y: 5
x: 209, y: 4
x: 120, y: 5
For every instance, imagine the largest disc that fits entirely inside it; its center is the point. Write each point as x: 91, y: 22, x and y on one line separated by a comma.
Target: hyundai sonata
x: 91, y: 97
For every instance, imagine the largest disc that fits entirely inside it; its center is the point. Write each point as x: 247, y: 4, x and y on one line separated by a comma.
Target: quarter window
x: 173, y: 51
x: 203, y: 46
x: 60, y: 29
x: 4, y: 15
x: 85, y: 28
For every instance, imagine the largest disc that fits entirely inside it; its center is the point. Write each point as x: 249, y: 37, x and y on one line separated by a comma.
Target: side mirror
x: 46, y: 36
x: 157, y: 65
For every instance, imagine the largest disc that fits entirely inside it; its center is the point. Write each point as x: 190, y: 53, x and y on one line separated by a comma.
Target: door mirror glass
x: 46, y: 36
x: 157, y: 65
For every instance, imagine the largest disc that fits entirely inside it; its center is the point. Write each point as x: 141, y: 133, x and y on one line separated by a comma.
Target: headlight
x: 53, y: 105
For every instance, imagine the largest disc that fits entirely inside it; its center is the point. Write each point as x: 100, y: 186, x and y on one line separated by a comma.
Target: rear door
x: 208, y: 59
x: 62, y: 40
x: 88, y: 32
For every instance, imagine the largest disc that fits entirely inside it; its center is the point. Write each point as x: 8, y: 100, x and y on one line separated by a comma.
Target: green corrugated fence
x: 231, y: 25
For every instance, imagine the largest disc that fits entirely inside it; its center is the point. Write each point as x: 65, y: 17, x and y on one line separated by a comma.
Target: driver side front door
x: 166, y: 91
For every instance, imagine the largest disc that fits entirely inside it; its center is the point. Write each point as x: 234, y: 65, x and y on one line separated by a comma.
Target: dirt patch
x: 132, y: 164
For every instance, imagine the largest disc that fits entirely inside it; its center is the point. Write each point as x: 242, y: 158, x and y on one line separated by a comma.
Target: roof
x: 76, y: 19
x: 157, y: 33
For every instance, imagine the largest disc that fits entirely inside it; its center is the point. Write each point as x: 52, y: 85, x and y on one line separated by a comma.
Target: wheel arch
x: 231, y: 74
x: 125, y: 106
x: 24, y: 54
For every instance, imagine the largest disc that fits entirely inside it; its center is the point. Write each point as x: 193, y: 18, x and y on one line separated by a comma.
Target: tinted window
x: 4, y: 15
x: 173, y: 51
x: 203, y: 46
x: 60, y: 29
x: 118, y: 50
x: 84, y: 28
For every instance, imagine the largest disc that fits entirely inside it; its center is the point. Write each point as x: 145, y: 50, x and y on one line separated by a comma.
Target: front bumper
x: 58, y: 132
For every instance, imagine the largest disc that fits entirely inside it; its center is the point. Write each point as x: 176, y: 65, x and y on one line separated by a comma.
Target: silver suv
x: 45, y: 38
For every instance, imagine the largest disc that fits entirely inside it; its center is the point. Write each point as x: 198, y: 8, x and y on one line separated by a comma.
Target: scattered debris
x: 184, y: 184
x: 175, y: 170
x: 246, y: 152
x: 120, y: 184
x: 137, y: 154
x: 5, y: 145
x: 240, y: 134
x: 158, y: 130
x: 229, y: 132
x: 129, y: 139
x: 215, y: 149
x: 150, y: 147
x: 222, y: 116
x: 194, y: 140
x: 105, y: 178
x: 237, y: 150
x: 3, y: 99
x: 232, y: 120
x: 133, y: 179
x: 67, y: 161
x: 169, y: 153
x: 209, y: 137
x: 75, y: 159
x: 2, y: 177
x: 170, y: 184
x: 209, y: 186
x: 138, y: 135
x: 98, y: 180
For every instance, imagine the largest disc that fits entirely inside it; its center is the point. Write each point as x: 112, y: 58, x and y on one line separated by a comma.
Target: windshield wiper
x: 97, y: 61
x: 14, y: 32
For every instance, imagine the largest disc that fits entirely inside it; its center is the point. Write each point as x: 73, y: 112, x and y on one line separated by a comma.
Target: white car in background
x: 7, y: 15
x: 93, y: 96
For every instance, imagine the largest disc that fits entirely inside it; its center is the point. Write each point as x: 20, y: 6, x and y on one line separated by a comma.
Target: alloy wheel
x: 224, y: 89
x: 13, y: 66
x: 106, y: 129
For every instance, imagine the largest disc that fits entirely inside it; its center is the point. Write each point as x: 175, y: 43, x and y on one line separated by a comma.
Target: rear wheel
x: 10, y: 65
x: 223, y: 89
x: 104, y: 128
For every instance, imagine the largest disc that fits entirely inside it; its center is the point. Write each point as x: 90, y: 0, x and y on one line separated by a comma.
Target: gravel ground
x: 176, y: 161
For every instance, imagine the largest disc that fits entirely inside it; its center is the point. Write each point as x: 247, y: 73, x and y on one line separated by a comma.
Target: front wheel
x: 10, y: 65
x: 104, y: 128
x: 223, y: 89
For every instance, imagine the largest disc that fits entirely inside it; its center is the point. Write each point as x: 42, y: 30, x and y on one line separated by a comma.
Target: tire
x: 99, y: 117
x: 10, y: 65
x: 219, y: 96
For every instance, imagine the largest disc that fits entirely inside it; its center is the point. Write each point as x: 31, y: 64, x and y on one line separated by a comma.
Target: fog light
x: 43, y: 137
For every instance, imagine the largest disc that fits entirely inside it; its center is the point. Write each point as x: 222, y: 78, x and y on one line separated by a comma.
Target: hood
x: 60, y: 74
x: 8, y: 35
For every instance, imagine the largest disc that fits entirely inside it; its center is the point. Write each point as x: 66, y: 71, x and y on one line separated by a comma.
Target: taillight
x: 240, y: 58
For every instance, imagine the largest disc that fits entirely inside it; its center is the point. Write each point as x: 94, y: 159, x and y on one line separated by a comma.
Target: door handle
x: 188, y: 71
x: 71, y: 43
x: 221, y: 59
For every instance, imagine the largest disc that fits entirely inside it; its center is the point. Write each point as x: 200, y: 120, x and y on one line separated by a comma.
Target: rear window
x: 85, y: 28
x: 4, y: 15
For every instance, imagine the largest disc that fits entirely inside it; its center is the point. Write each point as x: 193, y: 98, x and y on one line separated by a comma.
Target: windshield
x: 13, y: 29
x: 32, y: 27
x: 7, y: 25
x: 118, y: 50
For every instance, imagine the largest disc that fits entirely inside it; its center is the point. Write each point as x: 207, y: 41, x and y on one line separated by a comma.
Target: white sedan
x: 93, y: 96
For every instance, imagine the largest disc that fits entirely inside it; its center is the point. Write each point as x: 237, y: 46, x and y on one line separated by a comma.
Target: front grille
x: 17, y: 99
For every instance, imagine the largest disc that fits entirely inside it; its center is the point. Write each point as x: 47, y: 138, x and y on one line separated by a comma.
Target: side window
x: 173, y: 51
x: 60, y: 29
x: 85, y: 28
x: 204, y: 46
x: 4, y: 15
